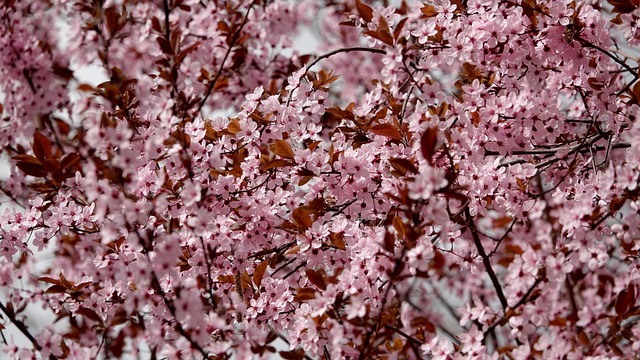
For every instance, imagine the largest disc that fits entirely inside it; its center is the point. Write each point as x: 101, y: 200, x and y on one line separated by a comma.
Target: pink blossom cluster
x: 443, y: 179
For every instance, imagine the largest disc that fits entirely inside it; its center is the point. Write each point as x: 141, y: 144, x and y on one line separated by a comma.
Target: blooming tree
x: 443, y: 179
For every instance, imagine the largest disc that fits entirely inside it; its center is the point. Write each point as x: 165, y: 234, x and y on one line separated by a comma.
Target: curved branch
x: 343, y: 50
x: 334, y: 52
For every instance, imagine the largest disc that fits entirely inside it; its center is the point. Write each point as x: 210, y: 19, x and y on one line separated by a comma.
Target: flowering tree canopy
x: 442, y: 179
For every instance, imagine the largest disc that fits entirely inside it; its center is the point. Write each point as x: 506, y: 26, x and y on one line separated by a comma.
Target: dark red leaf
x: 387, y: 130
x: 365, y: 11
x: 428, y: 144
x: 29, y: 168
x: 305, y: 293
x: 302, y: 218
x: 403, y: 165
x: 276, y: 163
x: 69, y: 160
x: 337, y: 240
x: 283, y: 149
x: 41, y: 146
x: 258, y: 274
x: 316, y: 279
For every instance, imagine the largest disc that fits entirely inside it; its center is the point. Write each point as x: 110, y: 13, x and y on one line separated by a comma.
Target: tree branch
x: 334, y: 52
x: 235, y: 37
x: 20, y: 325
x: 486, y: 261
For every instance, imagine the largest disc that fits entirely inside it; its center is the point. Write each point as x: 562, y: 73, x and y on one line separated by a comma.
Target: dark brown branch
x: 155, y: 284
x: 610, y: 55
x: 167, y: 11
x: 343, y: 50
x: 169, y: 304
x: 20, y: 325
x: 502, y: 238
x: 334, y: 52
x: 234, y: 39
x: 486, y: 261
x: 413, y: 342
x: 209, y: 279
x: 541, y: 276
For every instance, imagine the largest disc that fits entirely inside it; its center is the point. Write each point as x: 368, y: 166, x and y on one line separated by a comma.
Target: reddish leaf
x: 302, y: 218
x: 63, y: 127
x: 384, y: 32
x: 118, y: 320
x: 228, y: 279
x: 400, y: 226
x: 258, y: 274
x: 389, y: 242
x: 380, y: 35
x: 365, y: 11
x: 185, y: 52
x: 283, y: 149
x: 50, y: 280
x: 234, y: 126
x: 26, y: 158
x: 428, y: 11
x: 625, y: 300
x: 51, y: 165
x: 316, y: 279
x: 312, y: 146
x: 398, y: 29
x: 438, y: 261
x: 616, y: 204
x: 624, y: 6
x: 276, y: 163
x: 111, y: 20
x: 423, y: 322
x: 69, y: 160
x: 387, y: 130
x: 403, y: 165
x: 297, y: 354
x: 521, y: 184
x: 304, y: 180
x: 428, y: 144
x: 305, y: 293
x: 88, y: 313
x: 35, y: 170
x: 56, y: 289
x: 41, y: 146
x: 502, y: 222
x: 337, y: 240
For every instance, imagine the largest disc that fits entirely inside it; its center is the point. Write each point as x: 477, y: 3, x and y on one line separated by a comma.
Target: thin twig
x: 235, y: 37
x: 610, y: 55
x: 331, y: 53
x: 486, y: 261
x: 21, y: 326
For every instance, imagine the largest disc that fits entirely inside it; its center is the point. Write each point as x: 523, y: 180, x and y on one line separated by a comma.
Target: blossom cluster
x: 443, y: 179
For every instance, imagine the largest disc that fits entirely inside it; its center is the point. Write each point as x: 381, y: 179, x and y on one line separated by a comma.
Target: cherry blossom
x: 438, y: 179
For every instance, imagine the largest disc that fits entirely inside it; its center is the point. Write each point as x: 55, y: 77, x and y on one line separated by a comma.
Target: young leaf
x: 36, y: 170
x: 428, y: 144
x: 302, y: 218
x: 283, y: 149
x: 316, y: 279
x: 41, y: 146
x: 337, y: 240
x: 365, y: 11
x: 387, y: 130
x: 258, y: 274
